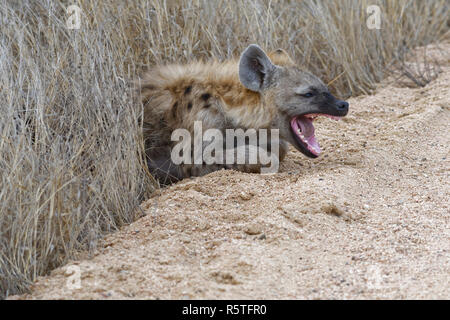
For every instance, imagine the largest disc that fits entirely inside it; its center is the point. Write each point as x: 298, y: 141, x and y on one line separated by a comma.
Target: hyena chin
x: 258, y: 91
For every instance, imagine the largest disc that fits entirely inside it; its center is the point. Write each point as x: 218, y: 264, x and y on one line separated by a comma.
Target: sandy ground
x: 369, y: 219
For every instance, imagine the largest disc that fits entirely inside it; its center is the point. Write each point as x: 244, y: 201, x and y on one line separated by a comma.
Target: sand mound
x: 368, y: 219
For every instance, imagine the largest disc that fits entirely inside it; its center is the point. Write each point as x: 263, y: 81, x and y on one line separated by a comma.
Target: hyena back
x: 258, y: 91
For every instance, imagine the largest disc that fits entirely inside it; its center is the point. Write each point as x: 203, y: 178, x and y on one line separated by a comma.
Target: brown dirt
x: 368, y: 219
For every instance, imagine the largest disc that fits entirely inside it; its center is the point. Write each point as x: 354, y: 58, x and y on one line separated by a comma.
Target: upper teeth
x: 315, y: 115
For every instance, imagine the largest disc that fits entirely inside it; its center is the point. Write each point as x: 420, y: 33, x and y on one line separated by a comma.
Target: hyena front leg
x: 241, y: 159
x: 245, y: 159
x: 198, y: 170
x: 263, y: 159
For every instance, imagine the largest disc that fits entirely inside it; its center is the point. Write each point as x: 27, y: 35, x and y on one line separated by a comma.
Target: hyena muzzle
x: 258, y: 91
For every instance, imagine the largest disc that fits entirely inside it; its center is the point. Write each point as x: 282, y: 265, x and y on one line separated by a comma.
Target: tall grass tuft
x: 71, y: 150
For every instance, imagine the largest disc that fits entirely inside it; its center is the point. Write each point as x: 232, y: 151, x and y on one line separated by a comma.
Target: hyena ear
x: 255, y: 69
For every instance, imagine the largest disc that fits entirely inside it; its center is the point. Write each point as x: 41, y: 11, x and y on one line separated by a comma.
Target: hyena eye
x: 307, y: 95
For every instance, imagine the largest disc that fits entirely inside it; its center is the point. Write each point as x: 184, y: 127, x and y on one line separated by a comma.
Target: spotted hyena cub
x: 258, y: 91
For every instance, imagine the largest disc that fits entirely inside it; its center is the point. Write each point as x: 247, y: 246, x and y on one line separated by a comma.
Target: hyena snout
x: 341, y: 108
x: 334, y: 107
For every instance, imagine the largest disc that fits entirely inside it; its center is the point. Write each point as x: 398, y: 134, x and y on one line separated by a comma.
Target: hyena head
x: 298, y: 96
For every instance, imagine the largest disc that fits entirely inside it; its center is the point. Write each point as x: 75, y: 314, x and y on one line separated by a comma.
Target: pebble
x: 253, y: 229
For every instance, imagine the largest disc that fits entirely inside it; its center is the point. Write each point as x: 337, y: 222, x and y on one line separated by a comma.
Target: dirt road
x: 370, y: 218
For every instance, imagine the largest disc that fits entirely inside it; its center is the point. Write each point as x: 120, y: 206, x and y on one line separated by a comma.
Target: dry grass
x: 70, y: 141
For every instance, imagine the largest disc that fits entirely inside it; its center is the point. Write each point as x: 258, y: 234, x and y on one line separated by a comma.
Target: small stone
x: 332, y: 209
x: 245, y: 195
x: 253, y: 230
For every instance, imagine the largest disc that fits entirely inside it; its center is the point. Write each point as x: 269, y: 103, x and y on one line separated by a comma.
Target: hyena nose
x: 342, y: 106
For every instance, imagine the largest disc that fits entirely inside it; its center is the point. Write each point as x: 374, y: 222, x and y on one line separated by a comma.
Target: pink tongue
x: 306, y: 126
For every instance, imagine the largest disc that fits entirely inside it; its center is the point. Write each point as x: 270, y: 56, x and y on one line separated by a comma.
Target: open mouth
x: 303, y: 129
